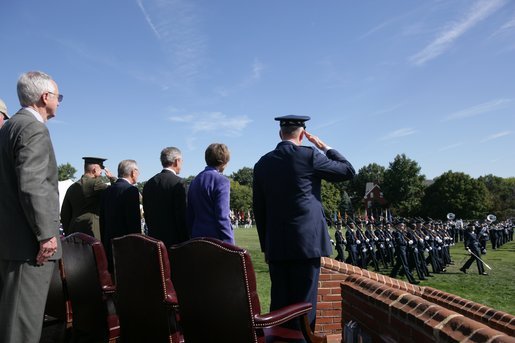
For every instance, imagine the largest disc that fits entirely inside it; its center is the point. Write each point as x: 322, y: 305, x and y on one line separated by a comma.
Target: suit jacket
x: 208, y: 206
x: 286, y: 199
x: 119, y: 214
x: 29, y: 204
x: 164, y: 207
x: 81, y: 206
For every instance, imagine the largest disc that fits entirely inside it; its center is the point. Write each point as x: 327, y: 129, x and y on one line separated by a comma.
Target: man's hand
x: 108, y: 173
x: 47, y: 249
x: 315, y: 140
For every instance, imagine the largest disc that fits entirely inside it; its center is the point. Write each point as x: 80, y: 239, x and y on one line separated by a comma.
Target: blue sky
x: 432, y: 79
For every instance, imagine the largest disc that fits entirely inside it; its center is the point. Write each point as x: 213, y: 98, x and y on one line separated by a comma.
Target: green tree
x: 241, y: 196
x: 458, y: 193
x: 346, y: 204
x: 501, y: 195
x: 66, y: 172
x: 189, y: 179
x: 244, y: 176
x: 403, y: 186
x: 331, y: 198
x: 140, y: 186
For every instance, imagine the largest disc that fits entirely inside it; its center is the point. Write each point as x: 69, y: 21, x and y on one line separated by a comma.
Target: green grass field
x: 496, y: 290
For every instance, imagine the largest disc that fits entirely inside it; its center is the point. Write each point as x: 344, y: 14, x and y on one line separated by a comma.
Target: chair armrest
x: 282, y: 315
x: 108, y: 289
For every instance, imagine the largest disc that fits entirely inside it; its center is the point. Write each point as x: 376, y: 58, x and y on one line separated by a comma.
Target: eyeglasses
x: 59, y: 96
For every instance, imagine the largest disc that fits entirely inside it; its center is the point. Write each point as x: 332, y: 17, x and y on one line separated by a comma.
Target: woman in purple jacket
x: 208, y: 198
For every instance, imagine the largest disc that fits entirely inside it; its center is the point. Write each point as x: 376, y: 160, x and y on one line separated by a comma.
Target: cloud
x: 388, y: 109
x: 387, y: 23
x: 213, y: 121
x: 508, y: 26
x: 495, y: 136
x: 188, y: 118
x: 449, y: 147
x: 176, y: 25
x: 328, y: 124
x: 399, y: 133
x: 479, y: 11
x: 473, y: 111
x: 148, y: 19
x: 257, y: 69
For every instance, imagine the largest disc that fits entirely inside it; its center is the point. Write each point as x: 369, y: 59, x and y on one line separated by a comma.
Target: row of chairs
x: 203, y: 290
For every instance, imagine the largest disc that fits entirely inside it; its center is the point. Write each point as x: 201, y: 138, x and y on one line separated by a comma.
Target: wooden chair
x: 89, y: 288
x: 216, y: 289
x: 146, y: 301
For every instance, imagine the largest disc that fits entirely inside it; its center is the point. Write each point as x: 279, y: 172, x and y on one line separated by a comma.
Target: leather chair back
x: 145, y: 295
x: 216, y: 289
x: 87, y: 281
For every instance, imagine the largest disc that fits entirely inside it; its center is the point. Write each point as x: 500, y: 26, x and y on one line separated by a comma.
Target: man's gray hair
x: 169, y: 156
x: 126, y: 167
x: 31, y: 85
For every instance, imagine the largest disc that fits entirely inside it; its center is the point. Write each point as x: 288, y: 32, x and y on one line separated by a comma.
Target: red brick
x: 332, y: 297
x: 324, y: 291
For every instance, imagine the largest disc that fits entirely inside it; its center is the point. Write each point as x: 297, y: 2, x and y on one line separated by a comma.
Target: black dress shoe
x: 463, y: 270
x: 415, y: 282
x: 483, y: 273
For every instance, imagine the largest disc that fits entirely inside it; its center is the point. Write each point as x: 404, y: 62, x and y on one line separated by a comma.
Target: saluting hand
x: 315, y: 140
x: 108, y: 173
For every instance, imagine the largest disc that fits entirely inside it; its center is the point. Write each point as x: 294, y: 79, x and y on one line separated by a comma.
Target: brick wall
x: 428, y: 314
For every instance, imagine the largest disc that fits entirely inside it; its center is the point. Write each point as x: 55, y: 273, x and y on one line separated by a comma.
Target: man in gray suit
x: 29, y: 210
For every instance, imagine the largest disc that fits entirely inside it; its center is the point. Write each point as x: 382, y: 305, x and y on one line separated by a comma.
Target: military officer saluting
x: 81, y: 205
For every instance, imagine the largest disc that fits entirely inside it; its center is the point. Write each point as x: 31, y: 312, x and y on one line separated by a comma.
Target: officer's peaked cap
x: 292, y: 120
x: 94, y: 160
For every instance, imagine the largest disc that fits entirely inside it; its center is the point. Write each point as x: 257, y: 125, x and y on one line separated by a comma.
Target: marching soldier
x: 401, y: 254
x: 372, y: 242
x: 413, y: 252
x: 340, y: 242
x: 381, y: 244
x: 390, y: 243
x: 352, y: 243
x: 362, y: 247
x: 484, y: 236
x: 472, y: 245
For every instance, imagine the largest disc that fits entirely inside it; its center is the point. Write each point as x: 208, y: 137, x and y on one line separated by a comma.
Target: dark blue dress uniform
x: 290, y: 218
x: 401, y: 246
x: 339, y: 244
x: 472, y: 244
x: 352, y: 245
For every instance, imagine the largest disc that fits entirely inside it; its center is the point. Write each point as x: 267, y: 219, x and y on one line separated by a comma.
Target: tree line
x: 406, y: 190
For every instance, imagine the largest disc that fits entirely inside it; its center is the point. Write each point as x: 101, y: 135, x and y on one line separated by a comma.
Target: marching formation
x: 416, y: 245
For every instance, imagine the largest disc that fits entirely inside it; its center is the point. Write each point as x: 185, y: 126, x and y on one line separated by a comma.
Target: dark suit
x: 290, y: 219
x: 164, y: 206
x: 119, y: 214
x: 29, y: 213
x: 81, y: 206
